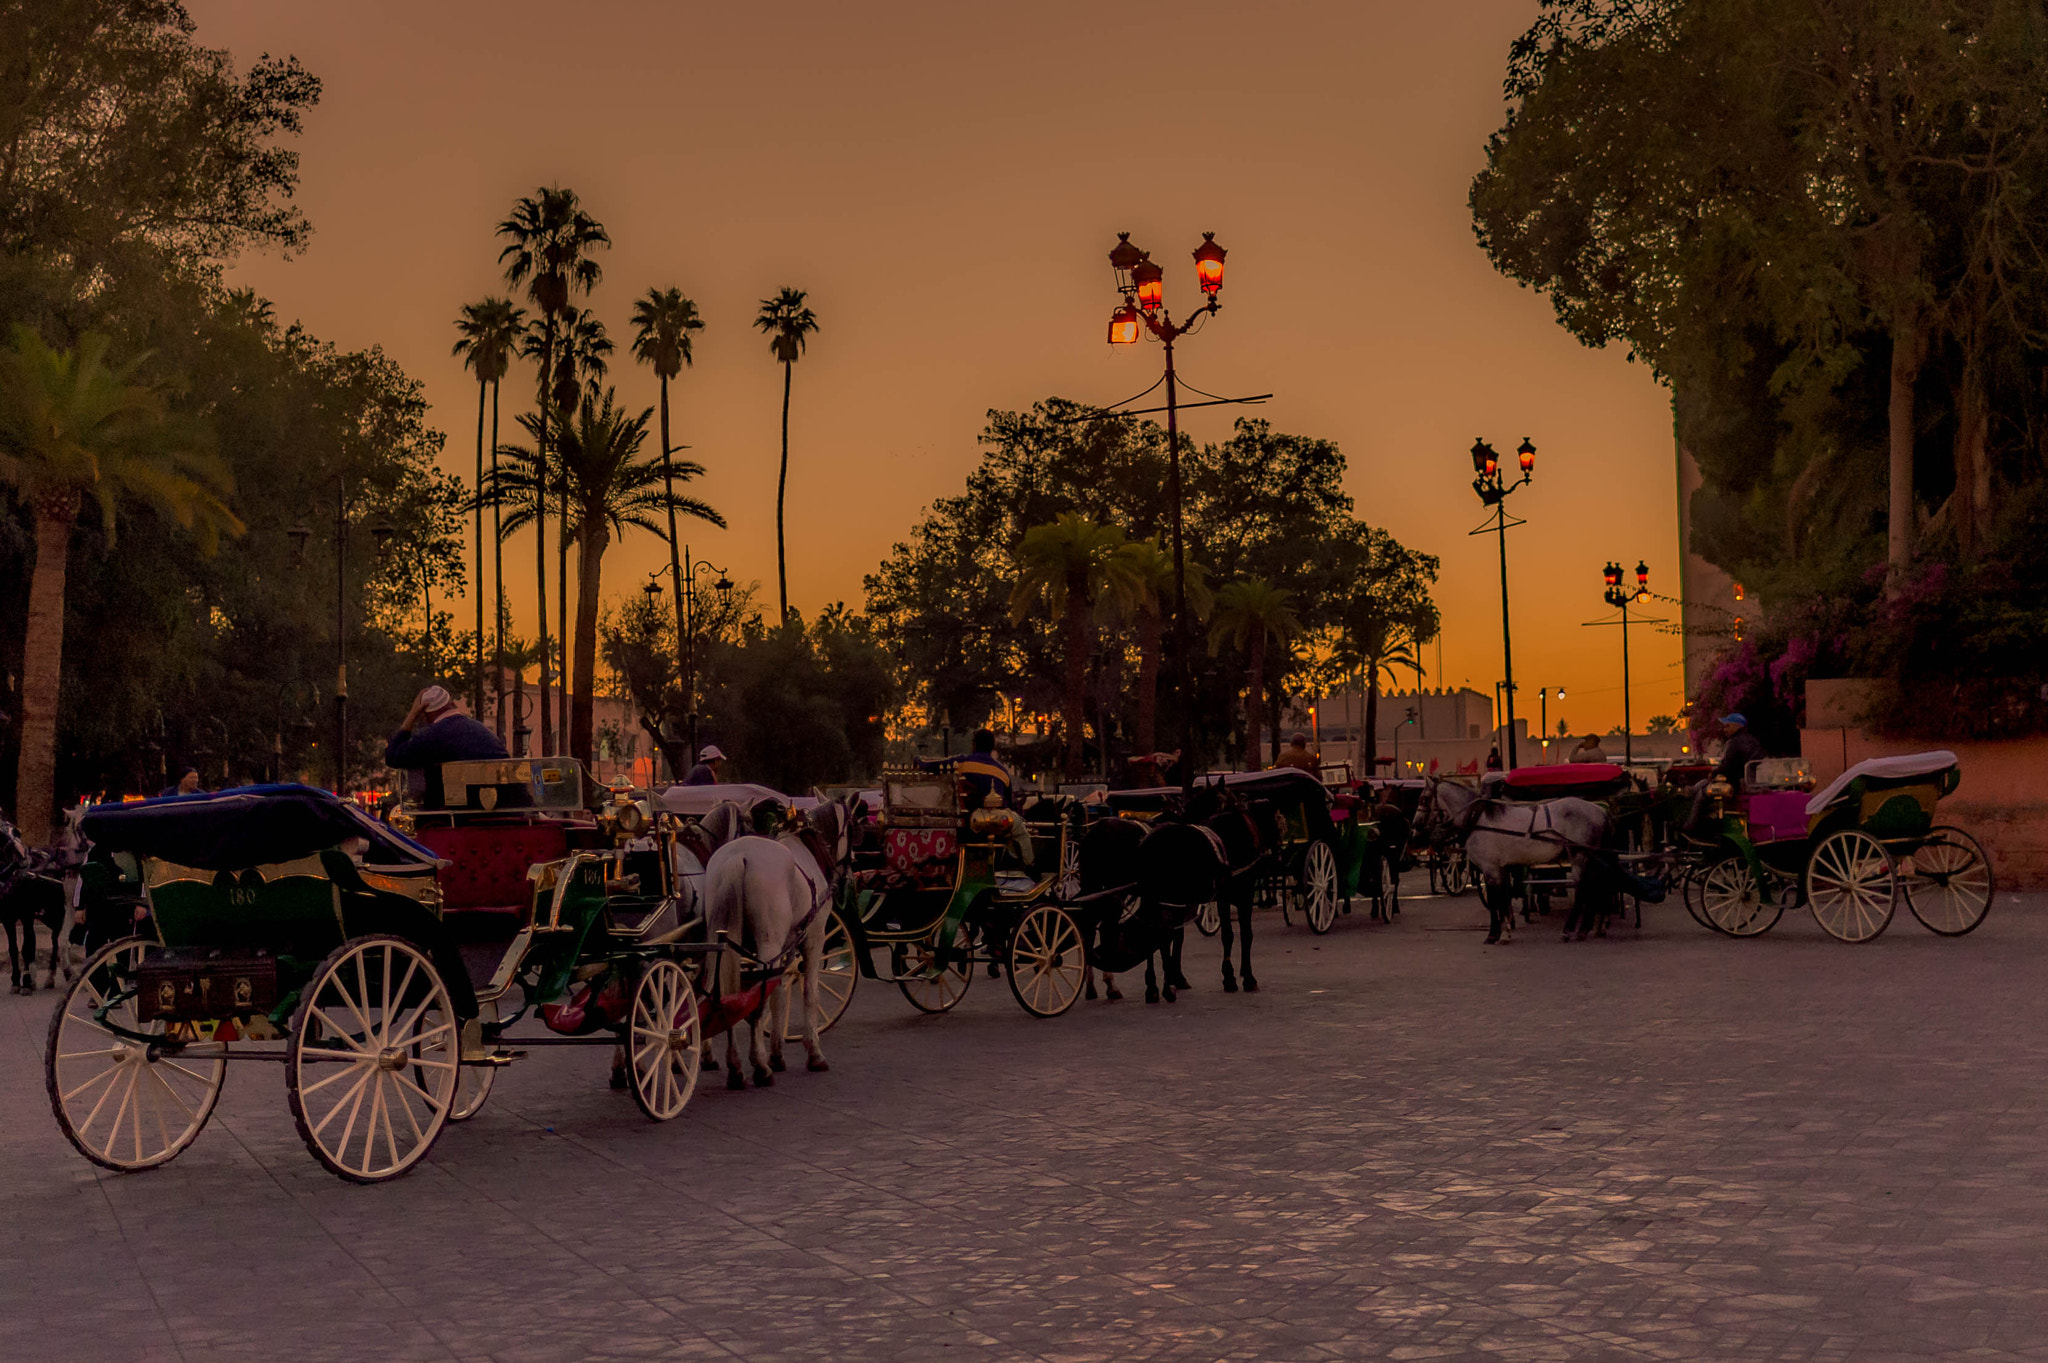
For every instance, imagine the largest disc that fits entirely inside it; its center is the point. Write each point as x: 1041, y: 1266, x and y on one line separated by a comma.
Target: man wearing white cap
x: 436, y: 731
x: 710, y: 768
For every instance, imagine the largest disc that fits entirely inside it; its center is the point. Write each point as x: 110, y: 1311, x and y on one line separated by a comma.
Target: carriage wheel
x: 1047, y: 961
x: 1457, y: 872
x: 1726, y: 898
x: 1950, y: 885
x: 1852, y: 885
x: 932, y: 993
x: 473, y: 1083
x: 370, y: 1069
x: 1319, y: 887
x: 662, y: 1041
x: 838, y: 976
x: 125, y: 1104
x: 1208, y: 918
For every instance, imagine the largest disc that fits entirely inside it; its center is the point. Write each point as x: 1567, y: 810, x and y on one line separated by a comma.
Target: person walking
x: 710, y: 768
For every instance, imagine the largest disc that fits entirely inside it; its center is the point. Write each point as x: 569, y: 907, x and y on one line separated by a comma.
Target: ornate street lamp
x: 1622, y: 597
x: 1142, y: 283
x: 1493, y: 491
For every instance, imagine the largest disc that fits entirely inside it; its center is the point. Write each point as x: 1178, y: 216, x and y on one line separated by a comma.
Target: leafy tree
x: 1249, y: 614
x: 75, y: 426
x: 550, y: 247
x: 788, y: 322
x: 1378, y: 599
x: 1139, y: 585
x: 1062, y: 566
x: 487, y: 336
x: 663, y: 322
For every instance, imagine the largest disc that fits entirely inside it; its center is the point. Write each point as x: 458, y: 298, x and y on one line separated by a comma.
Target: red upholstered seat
x: 489, y: 874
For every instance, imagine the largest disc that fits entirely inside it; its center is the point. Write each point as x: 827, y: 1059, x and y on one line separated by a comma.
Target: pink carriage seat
x: 1775, y: 815
x: 489, y: 874
x: 914, y: 851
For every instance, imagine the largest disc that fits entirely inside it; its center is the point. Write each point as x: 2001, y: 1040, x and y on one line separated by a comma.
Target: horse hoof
x: 1170, y: 994
x: 777, y: 1063
x: 1251, y: 986
x: 1113, y: 993
x: 818, y: 1064
x: 1229, y: 985
x: 764, y: 1079
x: 1089, y: 993
x: 1151, y: 996
x: 709, y: 1066
x: 994, y: 971
x: 618, y: 1079
x: 734, y: 1082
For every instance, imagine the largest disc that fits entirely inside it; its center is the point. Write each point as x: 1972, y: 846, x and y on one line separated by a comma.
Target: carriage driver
x: 436, y: 731
x: 1743, y: 748
x: 982, y: 773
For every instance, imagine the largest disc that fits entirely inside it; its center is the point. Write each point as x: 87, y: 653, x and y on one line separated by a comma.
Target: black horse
x: 1146, y: 881
x: 29, y: 894
x: 1248, y: 832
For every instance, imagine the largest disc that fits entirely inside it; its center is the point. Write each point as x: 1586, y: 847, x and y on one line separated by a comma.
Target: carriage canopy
x: 249, y: 826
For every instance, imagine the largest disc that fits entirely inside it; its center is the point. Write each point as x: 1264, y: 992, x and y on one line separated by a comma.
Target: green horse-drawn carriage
x: 1849, y: 852
x: 286, y: 926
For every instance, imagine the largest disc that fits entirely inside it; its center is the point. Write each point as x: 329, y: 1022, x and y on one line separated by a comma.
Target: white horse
x: 1500, y: 836
x: 771, y: 899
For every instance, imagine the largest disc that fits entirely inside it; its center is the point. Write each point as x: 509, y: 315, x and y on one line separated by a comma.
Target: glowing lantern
x: 1123, y: 326
x: 1485, y: 462
x: 1527, y: 454
x: 1123, y: 259
x: 1209, y: 264
x: 1611, y: 574
x: 1150, y: 282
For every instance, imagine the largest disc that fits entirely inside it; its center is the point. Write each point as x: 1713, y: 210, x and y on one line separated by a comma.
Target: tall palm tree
x: 516, y: 655
x: 582, y: 358
x: 550, y: 246
x: 1064, y: 566
x: 662, y: 323
x: 1378, y: 648
x: 73, y: 425
x: 1139, y: 587
x: 787, y: 322
x: 487, y: 337
x: 1250, y: 614
x: 611, y: 489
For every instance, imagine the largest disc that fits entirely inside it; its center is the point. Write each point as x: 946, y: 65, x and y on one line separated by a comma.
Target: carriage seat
x: 489, y: 874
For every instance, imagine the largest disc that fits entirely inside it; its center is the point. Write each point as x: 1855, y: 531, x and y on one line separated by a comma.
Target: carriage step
x: 495, y: 1059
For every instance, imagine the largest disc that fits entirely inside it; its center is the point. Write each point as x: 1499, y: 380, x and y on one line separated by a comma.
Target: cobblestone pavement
x: 1406, y: 1146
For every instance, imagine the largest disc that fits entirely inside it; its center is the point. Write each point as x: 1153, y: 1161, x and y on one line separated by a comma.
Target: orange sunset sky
x: 945, y: 180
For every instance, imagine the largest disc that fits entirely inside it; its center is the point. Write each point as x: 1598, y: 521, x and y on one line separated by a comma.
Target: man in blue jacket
x: 436, y: 731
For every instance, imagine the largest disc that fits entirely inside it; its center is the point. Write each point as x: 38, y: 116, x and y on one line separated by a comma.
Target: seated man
x: 1297, y: 755
x: 436, y: 731
x: 981, y: 772
x: 1743, y: 748
x: 710, y: 768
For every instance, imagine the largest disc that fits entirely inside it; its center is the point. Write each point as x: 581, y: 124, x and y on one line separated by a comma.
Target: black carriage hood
x: 249, y: 826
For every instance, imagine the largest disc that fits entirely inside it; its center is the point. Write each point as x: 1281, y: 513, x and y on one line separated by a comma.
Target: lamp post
x: 1543, y: 698
x: 1142, y: 283
x: 1494, y: 490
x: 1398, y: 769
x: 686, y: 619
x: 1616, y: 594
x: 299, y: 535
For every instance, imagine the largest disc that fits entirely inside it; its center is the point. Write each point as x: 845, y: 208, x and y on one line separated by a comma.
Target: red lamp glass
x: 1150, y: 282
x: 1209, y: 264
x: 1123, y: 326
x: 1642, y: 575
x: 1611, y: 574
x: 1527, y: 454
x: 1485, y: 462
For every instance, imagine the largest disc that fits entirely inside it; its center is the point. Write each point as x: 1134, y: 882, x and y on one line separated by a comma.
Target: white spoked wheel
x: 1456, y: 872
x: 1852, y: 886
x: 1208, y: 918
x: 370, y: 1069
x: 838, y: 976
x: 126, y: 1103
x: 1730, y: 901
x: 1319, y: 887
x: 1068, y: 886
x: 1948, y: 883
x: 663, y: 1041
x: 1048, y: 963
x: 930, y: 992
x: 473, y: 1082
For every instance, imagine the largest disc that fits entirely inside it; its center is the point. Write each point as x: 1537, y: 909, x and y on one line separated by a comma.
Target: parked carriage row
x: 385, y: 967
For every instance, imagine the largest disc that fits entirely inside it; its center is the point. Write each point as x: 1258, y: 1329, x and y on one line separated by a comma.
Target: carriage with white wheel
x: 1850, y: 852
x: 284, y: 925
x: 948, y: 888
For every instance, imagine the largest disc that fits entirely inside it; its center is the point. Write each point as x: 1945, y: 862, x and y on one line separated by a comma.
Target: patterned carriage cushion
x: 909, y: 850
x: 489, y: 874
